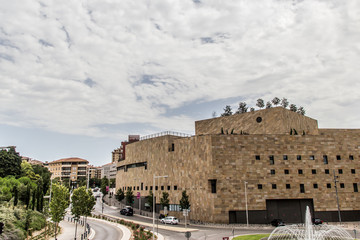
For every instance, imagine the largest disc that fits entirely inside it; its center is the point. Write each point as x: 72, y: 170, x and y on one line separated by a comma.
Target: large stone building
x: 282, y: 158
x: 68, y: 168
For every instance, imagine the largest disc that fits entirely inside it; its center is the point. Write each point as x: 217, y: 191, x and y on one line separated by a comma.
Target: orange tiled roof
x: 72, y: 159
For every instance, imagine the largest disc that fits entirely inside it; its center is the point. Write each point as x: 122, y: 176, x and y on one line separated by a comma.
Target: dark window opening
x: 285, y: 157
x: 327, y: 171
x: 156, y: 188
x: 272, y: 171
x: 213, y: 185
x: 355, y: 187
x: 315, y: 185
x: 351, y: 157
x: 259, y: 186
x: 300, y: 171
x: 142, y: 186
x: 271, y: 157
x: 338, y: 157
x: 286, y: 171
x: 151, y: 188
x: 273, y: 186
x: 162, y: 188
x: 313, y: 171
x: 328, y: 185
x: 298, y: 157
x: 168, y: 188
x: 325, y: 158
x: 340, y: 171
x: 288, y: 186
x: 146, y: 188
x: 312, y: 157
x: 302, y: 188
x: 257, y: 157
x: 175, y: 187
x: 137, y: 188
x: 342, y: 185
x: 353, y: 171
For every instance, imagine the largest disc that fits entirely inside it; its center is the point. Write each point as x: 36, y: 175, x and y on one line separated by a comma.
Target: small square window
x: 351, y: 157
x: 355, y: 187
x: 257, y: 157
x: 285, y: 157
x: 327, y: 171
x: 353, y: 171
x: 162, y: 188
x: 340, y: 171
x: 300, y: 171
x: 288, y: 186
x: 342, y: 185
x: 312, y: 157
x: 286, y: 171
x: 325, y: 158
x: 313, y: 171
x: 328, y: 185
x: 272, y: 171
x: 273, y: 186
x: 175, y: 187
x: 151, y: 188
x: 260, y: 186
x: 302, y: 188
x: 338, y: 157
x: 137, y: 188
x: 271, y: 157
x: 298, y: 157
x: 315, y: 185
x: 156, y: 188
x: 146, y: 188
x: 168, y: 188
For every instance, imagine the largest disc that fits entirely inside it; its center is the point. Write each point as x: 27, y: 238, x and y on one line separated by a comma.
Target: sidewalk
x: 68, y: 231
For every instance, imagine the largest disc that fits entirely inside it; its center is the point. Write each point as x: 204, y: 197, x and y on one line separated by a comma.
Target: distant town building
x: 95, y: 172
x: 119, y: 153
x: 108, y: 171
x: 32, y: 161
x: 272, y: 162
x: 68, y: 168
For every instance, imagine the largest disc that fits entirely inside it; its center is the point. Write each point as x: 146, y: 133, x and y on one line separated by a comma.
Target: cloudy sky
x: 77, y: 77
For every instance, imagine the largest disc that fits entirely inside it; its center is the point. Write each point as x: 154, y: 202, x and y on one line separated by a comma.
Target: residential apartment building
x: 95, y: 172
x: 271, y: 162
x: 108, y: 171
x: 68, y: 168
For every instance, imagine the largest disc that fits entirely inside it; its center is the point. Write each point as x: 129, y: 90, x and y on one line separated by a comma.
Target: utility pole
x: 337, y: 197
x: 246, y: 206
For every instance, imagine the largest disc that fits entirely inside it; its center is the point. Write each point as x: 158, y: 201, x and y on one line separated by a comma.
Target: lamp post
x: 246, y: 206
x: 337, y: 197
x: 155, y: 177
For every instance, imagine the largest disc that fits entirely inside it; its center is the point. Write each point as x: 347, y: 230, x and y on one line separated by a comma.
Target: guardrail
x: 165, y: 133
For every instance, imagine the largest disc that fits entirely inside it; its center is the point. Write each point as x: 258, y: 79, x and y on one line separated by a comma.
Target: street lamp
x: 155, y: 177
x: 337, y: 197
x: 246, y: 206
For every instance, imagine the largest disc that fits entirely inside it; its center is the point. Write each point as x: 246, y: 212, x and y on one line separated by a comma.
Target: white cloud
x: 307, y: 51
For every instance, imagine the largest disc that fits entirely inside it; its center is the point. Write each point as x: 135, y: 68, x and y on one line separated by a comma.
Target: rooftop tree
x: 260, y: 103
x: 227, y: 111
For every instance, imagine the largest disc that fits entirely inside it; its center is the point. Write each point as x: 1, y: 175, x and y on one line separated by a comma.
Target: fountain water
x: 308, y: 231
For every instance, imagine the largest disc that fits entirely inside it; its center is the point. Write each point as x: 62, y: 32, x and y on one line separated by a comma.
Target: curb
x: 125, y: 230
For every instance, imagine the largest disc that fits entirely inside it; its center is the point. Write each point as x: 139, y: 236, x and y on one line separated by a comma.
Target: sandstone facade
x: 276, y: 166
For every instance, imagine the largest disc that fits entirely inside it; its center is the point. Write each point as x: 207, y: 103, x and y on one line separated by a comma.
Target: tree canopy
x: 59, y: 202
x: 164, y: 200
x: 10, y: 162
x: 184, y: 201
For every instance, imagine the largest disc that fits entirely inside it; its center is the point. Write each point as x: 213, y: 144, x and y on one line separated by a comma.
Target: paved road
x: 105, y: 231
x: 177, y: 232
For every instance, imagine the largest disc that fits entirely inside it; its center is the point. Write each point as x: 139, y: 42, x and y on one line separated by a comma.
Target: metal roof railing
x: 166, y: 133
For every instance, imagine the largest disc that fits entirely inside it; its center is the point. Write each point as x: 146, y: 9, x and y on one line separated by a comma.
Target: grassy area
x: 252, y: 237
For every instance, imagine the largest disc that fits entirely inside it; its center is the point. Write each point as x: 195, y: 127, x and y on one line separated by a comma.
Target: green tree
x: 10, y: 162
x: 164, y: 200
x: 150, y: 199
x: 242, y: 108
x: 45, y: 174
x: 284, y: 103
x: 104, y: 184
x: 260, y: 103
x: 129, y: 196
x: 28, y: 171
x: 276, y: 101
x: 293, y: 107
x: 119, y: 195
x: 59, y: 203
x: 268, y: 104
x: 112, y: 182
x: 227, y: 111
x: 184, y: 201
x: 301, y: 110
x: 16, y: 195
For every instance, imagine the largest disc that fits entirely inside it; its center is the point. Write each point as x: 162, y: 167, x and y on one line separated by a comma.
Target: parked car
x: 317, y: 221
x: 277, y: 222
x: 170, y: 220
x: 127, y: 211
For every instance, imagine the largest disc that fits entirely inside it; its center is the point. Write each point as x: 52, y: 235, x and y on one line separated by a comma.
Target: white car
x: 170, y: 220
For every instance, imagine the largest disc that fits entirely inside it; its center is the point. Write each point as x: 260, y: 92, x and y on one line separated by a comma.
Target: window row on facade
x: 301, y: 157
x: 146, y: 188
x: 302, y: 186
x: 313, y: 171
